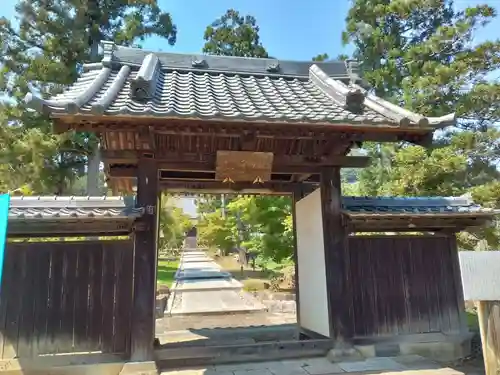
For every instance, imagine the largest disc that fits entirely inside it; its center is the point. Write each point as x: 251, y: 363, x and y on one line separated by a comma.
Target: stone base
x: 139, y: 368
x: 87, y: 365
x: 439, y: 347
x: 76, y: 364
x: 344, y: 355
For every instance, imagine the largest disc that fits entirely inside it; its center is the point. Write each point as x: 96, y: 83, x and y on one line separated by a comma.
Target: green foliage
x: 261, y: 224
x: 234, y: 35
x: 324, y: 57
x: 421, y: 54
x: 321, y: 57
x: 215, y: 231
x: 44, y: 53
x: 266, y: 222
x: 173, y: 224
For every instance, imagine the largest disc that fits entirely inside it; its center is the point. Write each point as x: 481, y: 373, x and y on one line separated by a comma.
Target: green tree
x: 45, y: 52
x: 421, y: 54
x: 173, y: 224
x: 234, y: 35
x: 321, y: 57
x: 216, y: 232
x: 264, y: 220
x: 326, y: 57
x: 262, y: 223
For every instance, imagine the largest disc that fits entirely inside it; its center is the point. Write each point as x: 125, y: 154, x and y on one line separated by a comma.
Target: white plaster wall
x: 311, y: 258
x: 480, y: 275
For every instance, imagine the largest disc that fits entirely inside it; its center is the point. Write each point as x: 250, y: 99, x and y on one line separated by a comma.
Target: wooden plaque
x: 244, y: 166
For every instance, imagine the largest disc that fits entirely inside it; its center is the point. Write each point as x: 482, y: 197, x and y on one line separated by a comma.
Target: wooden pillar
x: 145, y: 259
x: 336, y: 258
x: 489, y: 324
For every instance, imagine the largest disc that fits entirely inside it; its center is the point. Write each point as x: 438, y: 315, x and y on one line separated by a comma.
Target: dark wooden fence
x: 66, y: 297
x: 405, y: 285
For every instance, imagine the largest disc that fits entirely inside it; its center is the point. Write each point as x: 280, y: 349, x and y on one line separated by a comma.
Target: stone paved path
x: 203, y: 288
x: 403, y: 365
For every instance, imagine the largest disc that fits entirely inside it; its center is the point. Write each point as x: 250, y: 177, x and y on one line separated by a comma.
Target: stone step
x: 213, y: 302
x: 197, y: 285
x: 208, y: 355
x: 188, y: 274
x: 230, y: 335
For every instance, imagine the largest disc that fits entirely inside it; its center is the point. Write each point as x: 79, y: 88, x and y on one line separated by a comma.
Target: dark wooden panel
x: 94, y: 318
x: 62, y: 298
x: 9, y: 298
x: 403, y: 285
x: 107, y: 288
x: 26, y: 318
x: 42, y: 312
x: 123, y: 302
x: 82, y: 298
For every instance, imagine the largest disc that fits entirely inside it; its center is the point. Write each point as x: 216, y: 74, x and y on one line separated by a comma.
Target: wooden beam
x: 143, y: 308
x: 200, y: 160
x: 182, y: 126
x: 489, y: 325
x: 131, y: 172
x: 249, y: 141
x: 281, y: 164
x: 218, y: 187
x: 397, y: 223
x: 336, y: 255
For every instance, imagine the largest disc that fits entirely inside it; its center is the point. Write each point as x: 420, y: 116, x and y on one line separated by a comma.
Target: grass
x: 472, y: 320
x: 166, y: 272
x: 253, y: 285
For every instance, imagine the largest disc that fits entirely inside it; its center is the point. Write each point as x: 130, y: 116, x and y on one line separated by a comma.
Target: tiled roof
x: 132, y: 82
x: 416, y: 206
x: 71, y: 208
x: 74, y: 208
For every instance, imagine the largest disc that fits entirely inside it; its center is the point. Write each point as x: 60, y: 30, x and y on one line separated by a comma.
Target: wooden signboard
x: 243, y: 166
x: 481, y: 282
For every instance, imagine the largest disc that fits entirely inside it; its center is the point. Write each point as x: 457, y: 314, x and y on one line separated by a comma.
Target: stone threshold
x: 404, y: 365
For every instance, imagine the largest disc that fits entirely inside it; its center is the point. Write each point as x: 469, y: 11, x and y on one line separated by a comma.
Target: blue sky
x: 294, y: 30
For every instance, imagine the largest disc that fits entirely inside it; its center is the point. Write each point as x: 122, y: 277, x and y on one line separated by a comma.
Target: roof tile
x: 138, y: 83
x: 411, y: 205
x: 71, y: 208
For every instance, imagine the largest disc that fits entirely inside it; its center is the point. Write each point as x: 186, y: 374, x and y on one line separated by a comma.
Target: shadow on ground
x: 251, y: 274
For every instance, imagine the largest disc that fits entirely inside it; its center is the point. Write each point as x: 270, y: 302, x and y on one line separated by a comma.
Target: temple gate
x: 190, y: 123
